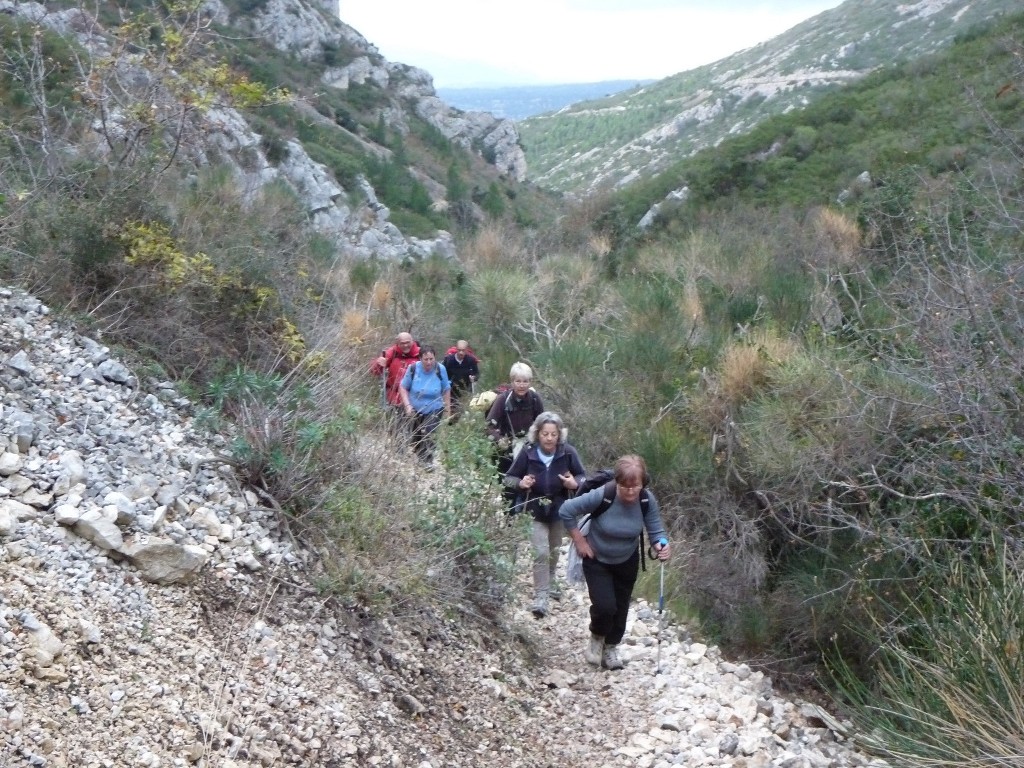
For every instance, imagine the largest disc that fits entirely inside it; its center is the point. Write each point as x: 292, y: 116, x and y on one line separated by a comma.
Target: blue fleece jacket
x: 426, y: 387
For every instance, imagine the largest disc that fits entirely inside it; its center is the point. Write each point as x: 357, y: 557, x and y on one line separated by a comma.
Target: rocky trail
x: 153, y: 614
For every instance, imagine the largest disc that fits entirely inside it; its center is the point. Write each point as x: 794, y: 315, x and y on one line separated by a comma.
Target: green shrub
x: 473, y: 543
x: 432, y: 137
x: 363, y: 274
x: 346, y: 167
x: 499, y: 298
x: 413, y: 224
x: 274, y: 147
x: 365, y: 97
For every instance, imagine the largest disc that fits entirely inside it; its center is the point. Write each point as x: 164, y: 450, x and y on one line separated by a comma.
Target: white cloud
x: 566, y: 41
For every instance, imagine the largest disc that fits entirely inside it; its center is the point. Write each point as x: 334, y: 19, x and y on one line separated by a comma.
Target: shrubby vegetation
x: 828, y: 396
x: 104, y: 213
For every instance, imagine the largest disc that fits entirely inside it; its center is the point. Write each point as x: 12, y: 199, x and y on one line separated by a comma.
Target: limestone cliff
x: 349, y: 211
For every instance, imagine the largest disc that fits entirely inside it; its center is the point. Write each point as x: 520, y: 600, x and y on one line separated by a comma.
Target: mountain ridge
x: 614, y: 141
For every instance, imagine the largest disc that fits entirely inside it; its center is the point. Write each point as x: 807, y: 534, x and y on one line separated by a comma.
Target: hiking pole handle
x: 652, y: 552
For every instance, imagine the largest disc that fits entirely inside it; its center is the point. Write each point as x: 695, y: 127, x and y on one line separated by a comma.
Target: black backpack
x: 596, y: 480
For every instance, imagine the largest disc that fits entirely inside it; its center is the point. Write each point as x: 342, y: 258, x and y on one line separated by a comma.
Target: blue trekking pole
x: 661, y: 611
x: 661, y: 598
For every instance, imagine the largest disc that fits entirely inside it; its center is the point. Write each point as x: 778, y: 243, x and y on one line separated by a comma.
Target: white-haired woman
x: 510, y: 417
x: 544, y: 473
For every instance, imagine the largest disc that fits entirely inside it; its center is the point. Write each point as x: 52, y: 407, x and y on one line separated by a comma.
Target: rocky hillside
x: 154, y: 613
x: 622, y: 138
x: 343, y: 93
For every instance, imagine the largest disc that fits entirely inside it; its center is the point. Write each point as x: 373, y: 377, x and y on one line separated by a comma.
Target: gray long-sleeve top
x: 613, y: 534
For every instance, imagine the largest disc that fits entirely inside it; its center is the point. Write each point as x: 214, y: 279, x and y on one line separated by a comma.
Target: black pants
x: 460, y: 400
x: 424, y: 425
x: 610, y: 588
x: 510, y: 495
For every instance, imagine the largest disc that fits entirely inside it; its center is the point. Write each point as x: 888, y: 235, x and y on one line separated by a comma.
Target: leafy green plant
x: 469, y: 543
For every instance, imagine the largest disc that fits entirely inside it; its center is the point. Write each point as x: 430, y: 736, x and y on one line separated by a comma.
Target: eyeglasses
x: 630, y: 487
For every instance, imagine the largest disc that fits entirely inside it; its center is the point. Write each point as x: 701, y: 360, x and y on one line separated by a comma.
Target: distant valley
x: 523, y: 101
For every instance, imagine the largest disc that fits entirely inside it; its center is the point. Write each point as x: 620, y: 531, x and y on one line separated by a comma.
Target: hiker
x: 463, y: 369
x: 426, y: 394
x: 392, y: 364
x: 510, y: 418
x: 544, y: 474
x: 611, y: 553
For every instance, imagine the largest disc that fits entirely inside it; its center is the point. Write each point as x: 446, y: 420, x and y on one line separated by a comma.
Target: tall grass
x: 947, y: 674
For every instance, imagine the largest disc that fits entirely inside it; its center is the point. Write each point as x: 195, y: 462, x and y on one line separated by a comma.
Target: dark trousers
x: 460, y: 400
x: 610, y: 588
x: 424, y: 425
x: 510, y: 495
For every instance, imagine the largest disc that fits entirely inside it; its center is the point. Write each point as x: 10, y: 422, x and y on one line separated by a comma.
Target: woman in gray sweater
x: 611, y: 553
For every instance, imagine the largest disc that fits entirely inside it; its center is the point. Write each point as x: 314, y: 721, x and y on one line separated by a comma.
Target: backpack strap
x: 609, y: 498
x: 508, y: 412
x: 645, y: 502
x: 606, y: 501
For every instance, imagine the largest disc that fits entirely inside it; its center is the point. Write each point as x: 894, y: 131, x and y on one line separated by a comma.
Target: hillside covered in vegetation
x: 627, y: 137
x: 816, y: 344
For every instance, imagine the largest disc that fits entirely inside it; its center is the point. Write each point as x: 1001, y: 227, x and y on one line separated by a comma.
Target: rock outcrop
x: 304, y: 31
x: 352, y: 218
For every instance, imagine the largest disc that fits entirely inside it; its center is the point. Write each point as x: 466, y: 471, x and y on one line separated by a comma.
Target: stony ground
x: 220, y: 653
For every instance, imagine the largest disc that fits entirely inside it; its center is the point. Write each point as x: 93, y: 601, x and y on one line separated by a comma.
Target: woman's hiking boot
x: 610, y: 659
x: 595, y: 650
x: 540, y: 605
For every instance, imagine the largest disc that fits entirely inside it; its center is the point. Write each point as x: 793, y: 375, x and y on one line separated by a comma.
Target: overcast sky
x: 477, y: 42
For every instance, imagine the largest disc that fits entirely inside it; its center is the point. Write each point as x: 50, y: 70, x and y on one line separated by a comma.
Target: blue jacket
x: 426, y: 389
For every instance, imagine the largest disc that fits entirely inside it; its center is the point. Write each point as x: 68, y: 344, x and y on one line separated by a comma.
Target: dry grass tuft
x: 495, y: 246
x: 354, y: 327
x: 691, y: 307
x: 838, y: 239
x: 381, y: 295
x: 600, y: 245
x: 745, y: 365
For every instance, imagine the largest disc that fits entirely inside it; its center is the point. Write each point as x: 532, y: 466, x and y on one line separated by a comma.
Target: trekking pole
x: 660, y: 613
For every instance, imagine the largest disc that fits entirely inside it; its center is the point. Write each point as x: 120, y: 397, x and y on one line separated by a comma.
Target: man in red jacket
x: 392, y: 364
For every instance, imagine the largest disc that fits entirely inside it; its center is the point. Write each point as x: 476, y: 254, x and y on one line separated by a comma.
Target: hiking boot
x: 594, y: 651
x: 611, y: 659
x: 540, y: 606
x: 555, y: 590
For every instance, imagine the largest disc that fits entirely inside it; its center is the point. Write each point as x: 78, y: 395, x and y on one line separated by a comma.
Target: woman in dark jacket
x: 544, y: 473
x: 509, y: 420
